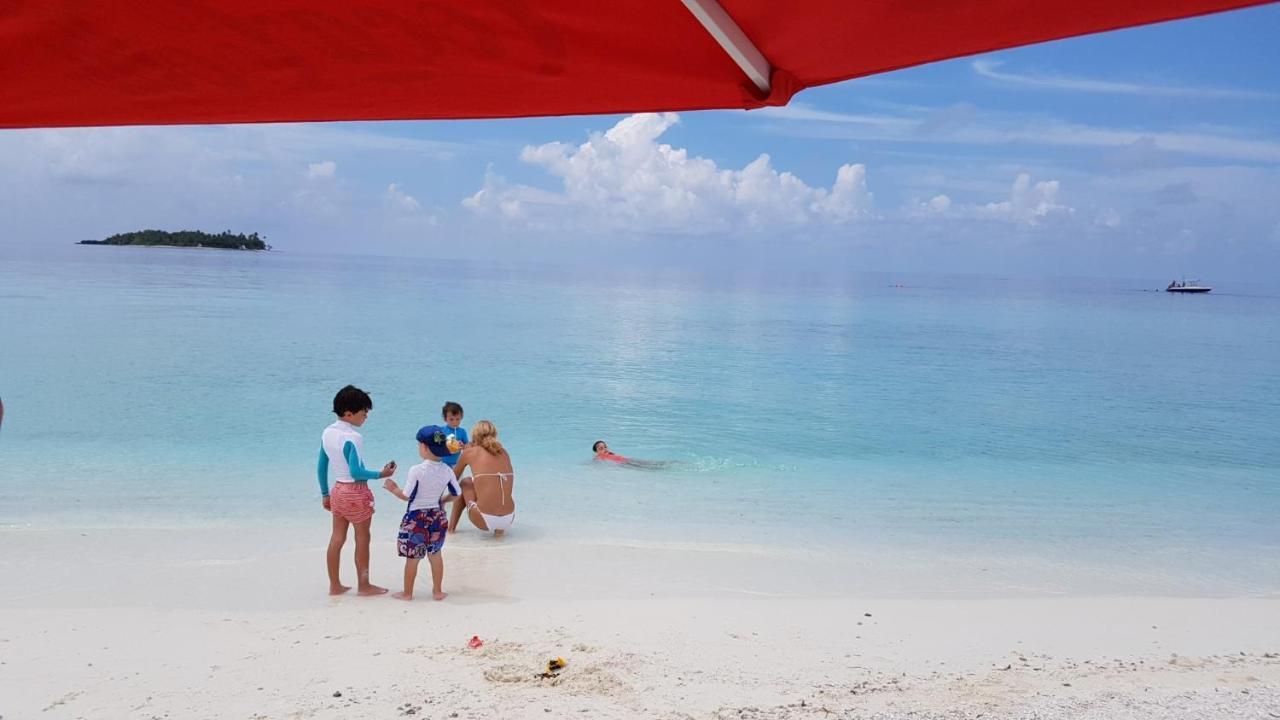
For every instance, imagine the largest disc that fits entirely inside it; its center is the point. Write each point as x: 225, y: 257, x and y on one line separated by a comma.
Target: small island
x: 225, y: 240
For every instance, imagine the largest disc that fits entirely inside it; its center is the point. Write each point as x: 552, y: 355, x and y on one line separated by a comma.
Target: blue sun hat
x: 436, y: 439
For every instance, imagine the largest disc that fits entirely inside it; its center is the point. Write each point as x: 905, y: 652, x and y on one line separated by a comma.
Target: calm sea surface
x: 1089, y: 424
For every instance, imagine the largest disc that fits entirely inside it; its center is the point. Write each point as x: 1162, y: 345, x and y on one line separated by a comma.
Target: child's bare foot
x: 402, y: 596
x: 499, y: 533
x: 338, y: 589
x: 437, y: 595
x: 371, y: 590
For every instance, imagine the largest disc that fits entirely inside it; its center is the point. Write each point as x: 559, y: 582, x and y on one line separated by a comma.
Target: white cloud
x: 324, y: 169
x: 802, y: 112
x: 966, y: 125
x: 626, y: 179
x: 989, y: 69
x: 277, y: 179
x: 849, y: 197
x: 514, y: 202
x: 939, y: 194
x: 937, y: 205
x: 400, y: 200
x: 1027, y: 203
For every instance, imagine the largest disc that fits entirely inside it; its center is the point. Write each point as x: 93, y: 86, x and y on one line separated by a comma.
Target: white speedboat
x: 1187, y: 286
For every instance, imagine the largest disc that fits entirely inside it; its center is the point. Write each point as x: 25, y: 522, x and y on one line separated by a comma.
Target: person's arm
x: 394, y: 489
x: 452, y: 489
x: 464, y: 459
x: 322, y: 472
x: 356, y: 467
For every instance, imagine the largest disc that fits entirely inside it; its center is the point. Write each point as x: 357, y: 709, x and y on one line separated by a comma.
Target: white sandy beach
x: 235, y: 624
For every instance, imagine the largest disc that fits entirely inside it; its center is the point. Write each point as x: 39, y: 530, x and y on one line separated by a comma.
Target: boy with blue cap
x: 423, y: 528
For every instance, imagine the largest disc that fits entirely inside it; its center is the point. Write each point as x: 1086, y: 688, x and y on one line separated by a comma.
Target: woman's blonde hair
x: 485, y: 435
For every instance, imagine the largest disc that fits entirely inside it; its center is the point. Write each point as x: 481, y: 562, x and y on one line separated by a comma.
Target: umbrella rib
x: 732, y: 40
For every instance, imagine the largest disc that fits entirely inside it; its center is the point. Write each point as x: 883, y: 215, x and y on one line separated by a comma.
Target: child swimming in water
x: 601, y: 450
x: 423, y: 528
x: 604, y: 454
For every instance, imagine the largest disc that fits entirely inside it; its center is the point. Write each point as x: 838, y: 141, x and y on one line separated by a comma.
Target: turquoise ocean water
x: 1087, y: 424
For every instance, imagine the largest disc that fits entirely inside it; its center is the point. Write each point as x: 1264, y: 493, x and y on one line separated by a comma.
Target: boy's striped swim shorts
x: 351, y: 501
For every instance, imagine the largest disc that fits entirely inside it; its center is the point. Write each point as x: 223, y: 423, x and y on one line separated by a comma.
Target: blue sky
x: 1146, y: 152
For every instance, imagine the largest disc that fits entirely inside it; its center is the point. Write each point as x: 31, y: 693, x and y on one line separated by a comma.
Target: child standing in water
x: 422, y: 531
x: 452, y: 414
x: 341, y: 450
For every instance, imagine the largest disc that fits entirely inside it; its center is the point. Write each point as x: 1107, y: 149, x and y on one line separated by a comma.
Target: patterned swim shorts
x: 352, y: 501
x: 422, y: 533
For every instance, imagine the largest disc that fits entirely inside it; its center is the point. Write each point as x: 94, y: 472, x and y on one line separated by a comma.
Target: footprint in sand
x: 63, y: 700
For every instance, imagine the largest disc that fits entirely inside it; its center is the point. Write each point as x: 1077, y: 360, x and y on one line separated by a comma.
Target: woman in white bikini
x: 487, y: 492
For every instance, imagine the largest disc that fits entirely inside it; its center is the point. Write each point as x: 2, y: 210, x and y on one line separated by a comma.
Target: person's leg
x: 437, y: 575
x: 333, y: 557
x: 455, y: 513
x: 410, y: 577
x: 460, y: 504
x: 477, y: 518
x: 363, y: 586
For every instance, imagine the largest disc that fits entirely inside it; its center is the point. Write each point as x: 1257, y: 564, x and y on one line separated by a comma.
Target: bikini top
x: 503, y: 479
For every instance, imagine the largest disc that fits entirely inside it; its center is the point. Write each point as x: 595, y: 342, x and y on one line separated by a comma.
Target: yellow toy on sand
x: 554, y: 666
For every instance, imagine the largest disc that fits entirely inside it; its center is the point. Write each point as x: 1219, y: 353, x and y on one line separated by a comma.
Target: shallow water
x: 1083, y: 435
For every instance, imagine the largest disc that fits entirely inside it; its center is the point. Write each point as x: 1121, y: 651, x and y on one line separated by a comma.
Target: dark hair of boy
x: 351, y: 399
x: 595, y: 446
x: 449, y: 408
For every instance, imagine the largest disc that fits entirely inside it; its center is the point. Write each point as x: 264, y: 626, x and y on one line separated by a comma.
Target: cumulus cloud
x: 936, y: 205
x: 325, y: 169
x: 400, y: 200
x: 1027, y: 203
x: 514, y: 202
x: 626, y: 179
x: 632, y: 175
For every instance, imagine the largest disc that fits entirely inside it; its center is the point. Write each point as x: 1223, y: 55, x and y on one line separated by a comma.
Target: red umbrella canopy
x: 100, y: 62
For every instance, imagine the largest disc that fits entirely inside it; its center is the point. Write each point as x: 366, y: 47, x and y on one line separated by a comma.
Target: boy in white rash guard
x: 422, y: 531
x: 351, y: 503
